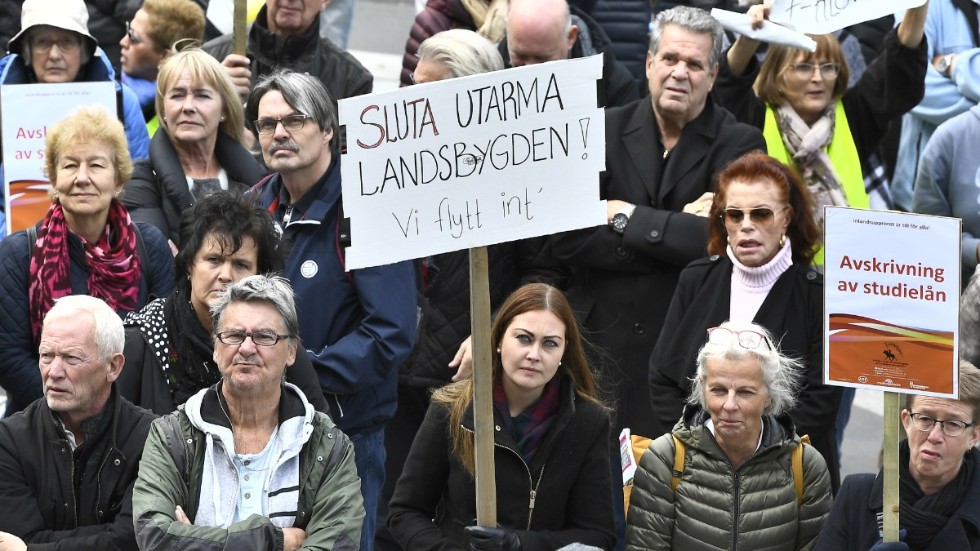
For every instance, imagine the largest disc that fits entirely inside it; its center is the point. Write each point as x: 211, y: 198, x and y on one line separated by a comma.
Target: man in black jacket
x: 288, y: 37
x: 68, y: 461
x: 549, y: 30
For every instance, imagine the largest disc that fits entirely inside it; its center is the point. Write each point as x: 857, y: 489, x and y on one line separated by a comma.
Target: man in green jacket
x: 248, y: 464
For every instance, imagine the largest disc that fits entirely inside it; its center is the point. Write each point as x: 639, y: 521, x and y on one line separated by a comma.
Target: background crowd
x: 191, y: 269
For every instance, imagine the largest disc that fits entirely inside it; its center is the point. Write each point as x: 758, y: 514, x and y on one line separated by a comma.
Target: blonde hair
x: 173, y: 22
x: 86, y: 125
x: 770, y: 85
x: 203, y: 69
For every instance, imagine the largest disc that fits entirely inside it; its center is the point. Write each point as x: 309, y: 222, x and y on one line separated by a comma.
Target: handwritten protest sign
x: 892, y: 285
x: 473, y: 161
x: 27, y: 112
x: 827, y: 16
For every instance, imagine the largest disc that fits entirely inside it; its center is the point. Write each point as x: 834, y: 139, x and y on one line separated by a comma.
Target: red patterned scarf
x: 113, y: 264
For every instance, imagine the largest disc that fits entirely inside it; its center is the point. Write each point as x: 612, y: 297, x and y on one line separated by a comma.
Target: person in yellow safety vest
x: 810, y: 118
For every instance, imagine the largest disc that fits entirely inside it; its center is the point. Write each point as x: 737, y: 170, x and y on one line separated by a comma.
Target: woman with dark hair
x: 761, y: 237
x: 169, y: 351
x: 551, y: 443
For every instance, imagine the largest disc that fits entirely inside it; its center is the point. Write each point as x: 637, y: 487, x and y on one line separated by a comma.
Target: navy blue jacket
x: 19, y: 374
x: 358, y: 327
x: 853, y: 524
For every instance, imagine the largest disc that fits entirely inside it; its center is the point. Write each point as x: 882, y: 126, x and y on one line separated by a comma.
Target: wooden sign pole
x: 240, y: 27
x: 486, y: 491
x: 890, y: 463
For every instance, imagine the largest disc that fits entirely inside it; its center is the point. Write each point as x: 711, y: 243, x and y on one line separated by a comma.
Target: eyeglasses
x: 762, y: 216
x: 805, y: 70
x: 67, y: 44
x: 133, y: 37
x: 290, y: 123
x: 748, y: 339
x: 950, y: 428
x: 260, y: 338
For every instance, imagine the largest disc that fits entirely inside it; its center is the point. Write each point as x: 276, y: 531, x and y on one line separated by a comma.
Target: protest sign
x: 827, y: 16
x: 891, y: 287
x: 473, y: 161
x: 28, y: 110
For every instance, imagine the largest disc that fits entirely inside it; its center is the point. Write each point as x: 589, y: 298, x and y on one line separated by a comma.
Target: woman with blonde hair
x: 550, y: 445
x: 86, y: 244
x: 200, y: 150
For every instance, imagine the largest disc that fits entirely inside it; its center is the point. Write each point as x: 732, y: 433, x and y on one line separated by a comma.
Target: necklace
x: 666, y: 152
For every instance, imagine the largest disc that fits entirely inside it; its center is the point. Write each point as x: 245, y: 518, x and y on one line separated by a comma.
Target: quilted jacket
x: 716, y: 507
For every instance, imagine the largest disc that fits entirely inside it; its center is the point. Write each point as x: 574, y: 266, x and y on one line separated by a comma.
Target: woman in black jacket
x: 199, y: 150
x: 551, y: 450
x: 169, y: 348
x: 762, y: 238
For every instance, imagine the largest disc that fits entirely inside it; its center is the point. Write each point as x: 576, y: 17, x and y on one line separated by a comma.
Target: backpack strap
x: 798, y: 468
x: 678, y: 471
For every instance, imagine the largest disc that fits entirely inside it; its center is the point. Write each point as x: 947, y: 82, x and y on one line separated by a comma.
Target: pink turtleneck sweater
x: 750, y: 286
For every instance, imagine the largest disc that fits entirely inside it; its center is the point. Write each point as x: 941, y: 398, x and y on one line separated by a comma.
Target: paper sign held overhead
x: 827, y: 16
x: 473, y: 161
x: 891, y: 287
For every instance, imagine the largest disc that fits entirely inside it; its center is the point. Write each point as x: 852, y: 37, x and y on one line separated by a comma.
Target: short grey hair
x: 109, y: 334
x: 270, y: 289
x: 782, y: 375
x: 969, y: 385
x: 304, y: 93
x: 462, y: 51
x: 692, y: 19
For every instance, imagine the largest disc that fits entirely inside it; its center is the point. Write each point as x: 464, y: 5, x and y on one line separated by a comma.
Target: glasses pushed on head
x: 290, y: 123
x: 951, y: 428
x: 747, y: 339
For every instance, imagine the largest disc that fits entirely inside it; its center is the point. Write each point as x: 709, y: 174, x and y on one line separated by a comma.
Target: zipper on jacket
x: 530, y: 479
x: 738, y: 486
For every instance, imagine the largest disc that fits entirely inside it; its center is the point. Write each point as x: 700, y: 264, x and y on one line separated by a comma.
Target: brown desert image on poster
x: 868, y: 351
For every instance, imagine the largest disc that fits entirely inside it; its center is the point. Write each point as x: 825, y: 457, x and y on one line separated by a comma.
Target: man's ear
x: 572, y: 36
x: 325, y: 4
x: 116, y: 364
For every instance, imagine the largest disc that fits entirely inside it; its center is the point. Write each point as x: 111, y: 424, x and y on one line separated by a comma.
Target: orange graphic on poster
x: 872, y: 352
x: 29, y: 202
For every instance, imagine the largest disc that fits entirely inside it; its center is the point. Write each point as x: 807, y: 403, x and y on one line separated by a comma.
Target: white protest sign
x: 827, y: 16
x: 27, y: 112
x: 891, y: 291
x: 473, y: 161
x: 770, y: 32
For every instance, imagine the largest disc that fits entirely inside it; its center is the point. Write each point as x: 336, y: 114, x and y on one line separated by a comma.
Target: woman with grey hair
x: 732, y: 473
x: 455, y: 53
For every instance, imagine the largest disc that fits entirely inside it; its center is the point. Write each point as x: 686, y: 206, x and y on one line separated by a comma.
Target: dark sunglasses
x: 758, y: 215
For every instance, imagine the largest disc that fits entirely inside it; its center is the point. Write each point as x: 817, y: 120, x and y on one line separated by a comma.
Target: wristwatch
x: 945, y: 65
x: 621, y: 218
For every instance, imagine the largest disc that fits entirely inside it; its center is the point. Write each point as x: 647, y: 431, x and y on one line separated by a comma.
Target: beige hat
x: 70, y: 15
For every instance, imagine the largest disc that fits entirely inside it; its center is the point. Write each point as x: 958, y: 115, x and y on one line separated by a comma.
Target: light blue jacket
x: 947, y: 32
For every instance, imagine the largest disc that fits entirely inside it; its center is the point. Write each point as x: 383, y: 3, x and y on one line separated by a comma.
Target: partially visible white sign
x: 473, y: 161
x: 827, y: 16
x: 27, y: 112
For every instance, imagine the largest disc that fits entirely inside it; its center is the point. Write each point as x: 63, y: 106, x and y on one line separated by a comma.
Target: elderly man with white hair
x: 69, y: 460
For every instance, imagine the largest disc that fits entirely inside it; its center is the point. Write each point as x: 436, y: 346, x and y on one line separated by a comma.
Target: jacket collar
x: 313, y: 207
x: 273, y: 49
x: 101, y: 426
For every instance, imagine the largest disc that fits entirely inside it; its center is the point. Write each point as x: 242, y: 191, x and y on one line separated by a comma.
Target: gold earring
x: 782, y: 240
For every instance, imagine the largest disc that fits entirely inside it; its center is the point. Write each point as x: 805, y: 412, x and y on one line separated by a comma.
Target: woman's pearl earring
x: 498, y: 350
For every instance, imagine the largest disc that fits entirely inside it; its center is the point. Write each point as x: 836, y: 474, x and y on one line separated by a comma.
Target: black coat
x: 339, y: 71
x: 37, y: 498
x: 158, y: 193
x: 792, y: 311
x: 435, y: 497
x: 617, y: 86
x: 853, y: 526
x: 621, y: 285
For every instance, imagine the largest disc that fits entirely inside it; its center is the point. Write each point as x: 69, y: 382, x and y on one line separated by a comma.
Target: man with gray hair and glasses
x: 248, y: 464
x: 68, y: 460
x: 358, y: 327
